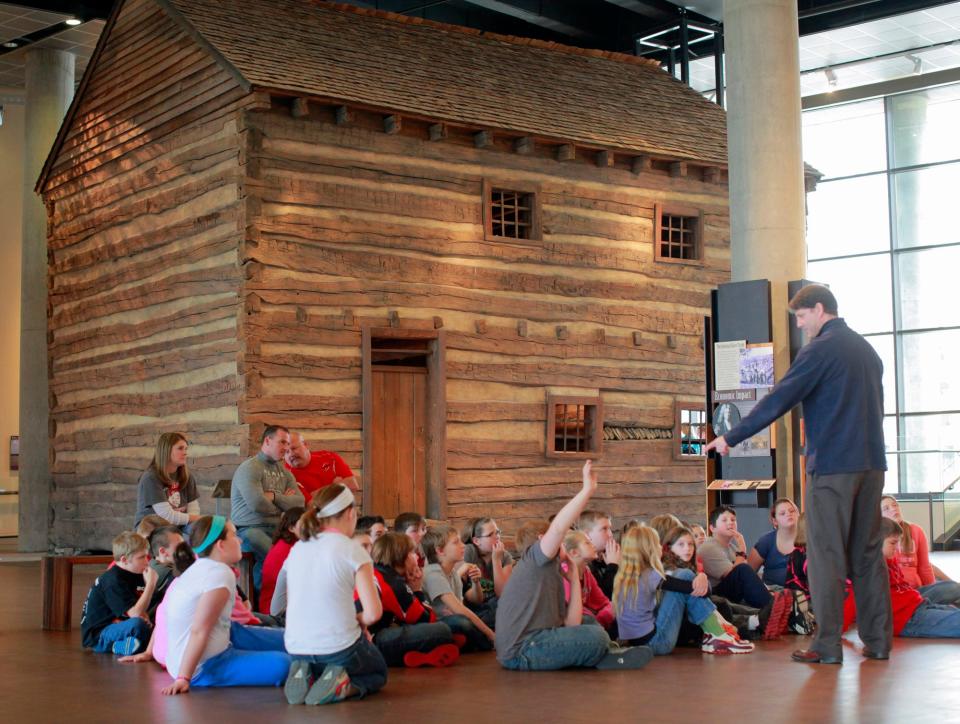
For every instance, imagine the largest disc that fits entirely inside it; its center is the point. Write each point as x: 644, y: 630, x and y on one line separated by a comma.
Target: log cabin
x: 463, y: 261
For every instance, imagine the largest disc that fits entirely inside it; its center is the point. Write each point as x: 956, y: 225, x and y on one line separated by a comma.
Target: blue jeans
x: 257, y: 539
x: 559, y: 648
x: 947, y: 592
x: 670, y: 614
x: 743, y: 585
x: 395, y: 641
x: 121, y: 630
x: 362, y: 661
x: 255, y: 657
x: 933, y: 621
x: 476, y: 640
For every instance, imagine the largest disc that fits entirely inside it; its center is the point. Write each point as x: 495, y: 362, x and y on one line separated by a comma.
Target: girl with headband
x: 204, y: 648
x: 332, y: 657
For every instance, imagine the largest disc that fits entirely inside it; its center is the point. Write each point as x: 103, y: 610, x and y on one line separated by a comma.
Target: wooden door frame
x: 436, y: 450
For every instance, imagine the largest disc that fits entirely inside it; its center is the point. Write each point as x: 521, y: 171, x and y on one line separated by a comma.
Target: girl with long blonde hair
x: 641, y: 620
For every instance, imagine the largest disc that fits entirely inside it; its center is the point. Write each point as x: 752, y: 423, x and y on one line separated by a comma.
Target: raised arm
x: 550, y: 543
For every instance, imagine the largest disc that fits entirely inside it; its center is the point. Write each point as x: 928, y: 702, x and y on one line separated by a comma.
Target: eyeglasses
x: 495, y: 532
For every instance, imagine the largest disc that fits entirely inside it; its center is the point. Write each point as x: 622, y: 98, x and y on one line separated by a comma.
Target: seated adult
x: 261, y: 490
x: 772, y: 550
x: 315, y: 470
x: 724, y: 561
x: 167, y: 488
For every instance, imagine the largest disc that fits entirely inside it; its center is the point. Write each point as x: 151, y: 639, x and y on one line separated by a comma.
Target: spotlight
x: 831, y: 77
x: 73, y: 21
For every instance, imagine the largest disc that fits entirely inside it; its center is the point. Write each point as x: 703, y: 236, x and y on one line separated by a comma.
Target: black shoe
x: 809, y: 656
x: 876, y: 655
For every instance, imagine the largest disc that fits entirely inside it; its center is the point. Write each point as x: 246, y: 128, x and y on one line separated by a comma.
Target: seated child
x: 581, y: 552
x: 913, y: 555
x: 699, y: 534
x: 284, y: 537
x: 414, y: 526
x: 333, y: 659
x: 365, y: 541
x: 801, y: 619
x: 485, y: 549
x: 537, y: 630
x: 725, y: 562
x: 114, y: 615
x: 408, y: 633
x: 913, y: 615
x: 150, y: 523
x: 443, y: 579
x: 204, y: 648
x: 372, y: 525
x: 163, y: 542
x: 641, y: 621
x: 664, y: 523
x: 773, y: 548
x: 599, y: 529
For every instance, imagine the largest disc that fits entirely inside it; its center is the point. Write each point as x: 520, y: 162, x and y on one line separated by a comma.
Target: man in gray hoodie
x: 261, y: 490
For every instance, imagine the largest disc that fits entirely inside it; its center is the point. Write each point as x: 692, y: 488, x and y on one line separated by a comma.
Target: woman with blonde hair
x: 166, y: 487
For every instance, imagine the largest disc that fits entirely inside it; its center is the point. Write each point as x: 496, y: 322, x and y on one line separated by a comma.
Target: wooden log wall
x: 352, y: 225
x: 145, y: 220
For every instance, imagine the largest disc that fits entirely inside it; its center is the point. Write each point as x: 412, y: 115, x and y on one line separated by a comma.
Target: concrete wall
x: 11, y: 182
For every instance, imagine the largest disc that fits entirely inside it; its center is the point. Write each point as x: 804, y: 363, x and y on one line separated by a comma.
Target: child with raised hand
x: 537, y: 630
x: 641, y: 621
x: 598, y: 526
x: 204, y: 648
x: 114, y: 615
x: 443, y: 580
x: 581, y: 553
x: 485, y: 549
x: 408, y: 633
x: 333, y: 658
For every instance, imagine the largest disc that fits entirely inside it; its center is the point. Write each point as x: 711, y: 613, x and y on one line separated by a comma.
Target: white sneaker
x: 725, y: 644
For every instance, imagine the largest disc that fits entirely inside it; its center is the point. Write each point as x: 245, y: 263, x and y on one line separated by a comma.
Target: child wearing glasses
x: 485, y: 549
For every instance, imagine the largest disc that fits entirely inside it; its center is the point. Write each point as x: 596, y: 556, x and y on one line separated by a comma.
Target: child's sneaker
x: 299, y: 681
x: 126, y: 647
x: 633, y: 657
x: 779, y: 616
x: 725, y: 644
x: 332, y: 686
x: 442, y: 655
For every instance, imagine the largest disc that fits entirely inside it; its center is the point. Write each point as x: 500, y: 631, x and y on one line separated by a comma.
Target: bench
x: 56, y: 585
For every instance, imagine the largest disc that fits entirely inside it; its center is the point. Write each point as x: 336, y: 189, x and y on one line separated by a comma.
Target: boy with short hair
x: 163, y: 542
x: 724, y: 559
x: 443, y: 580
x: 537, y: 629
x: 598, y: 526
x: 414, y: 527
x: 372, y: 525
x: 115, y: 613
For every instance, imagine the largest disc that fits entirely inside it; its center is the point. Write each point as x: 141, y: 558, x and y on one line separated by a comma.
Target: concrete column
x: 767, y: 215
x: 50, y: 81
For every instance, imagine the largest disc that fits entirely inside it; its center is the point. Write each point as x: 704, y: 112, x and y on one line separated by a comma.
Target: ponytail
x: 311, y: 524
x: 184, y: 555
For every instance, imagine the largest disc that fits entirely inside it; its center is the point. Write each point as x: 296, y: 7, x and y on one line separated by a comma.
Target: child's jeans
x: 559, y: 648
x: 395, y: 641
x: 476, y: 640
x: 933, y: 621
x: 121, y: 630
x: 743, y: 585
x: 947, y: 592
x: 671, y: 611
x: 362, y: 660
x: 255, y: 657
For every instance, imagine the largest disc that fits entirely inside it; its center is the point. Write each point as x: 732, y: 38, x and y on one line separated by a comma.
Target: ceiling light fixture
x: 917, y: 63
x: 831, y: 77
x: 10, y: 44
x: 73, y: 21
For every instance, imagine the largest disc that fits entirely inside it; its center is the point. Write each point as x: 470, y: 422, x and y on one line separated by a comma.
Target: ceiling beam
x: 528, y: 16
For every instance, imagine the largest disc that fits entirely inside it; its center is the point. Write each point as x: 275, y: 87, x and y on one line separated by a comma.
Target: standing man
x: 837, y: 377
x: 315, y: 470
x: 261, y: 490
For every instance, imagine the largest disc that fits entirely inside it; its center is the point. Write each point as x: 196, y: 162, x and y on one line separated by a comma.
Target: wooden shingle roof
x: 458, y: 75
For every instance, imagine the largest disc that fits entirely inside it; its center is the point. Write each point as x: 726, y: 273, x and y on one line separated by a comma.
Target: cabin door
x: 399, y: 440
x: 403, y: 423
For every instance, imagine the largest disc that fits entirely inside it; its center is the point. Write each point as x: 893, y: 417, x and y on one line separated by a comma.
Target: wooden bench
x: 56, y: 585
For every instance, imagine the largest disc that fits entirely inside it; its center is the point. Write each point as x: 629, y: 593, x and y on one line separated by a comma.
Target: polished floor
x: 46, y: 677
